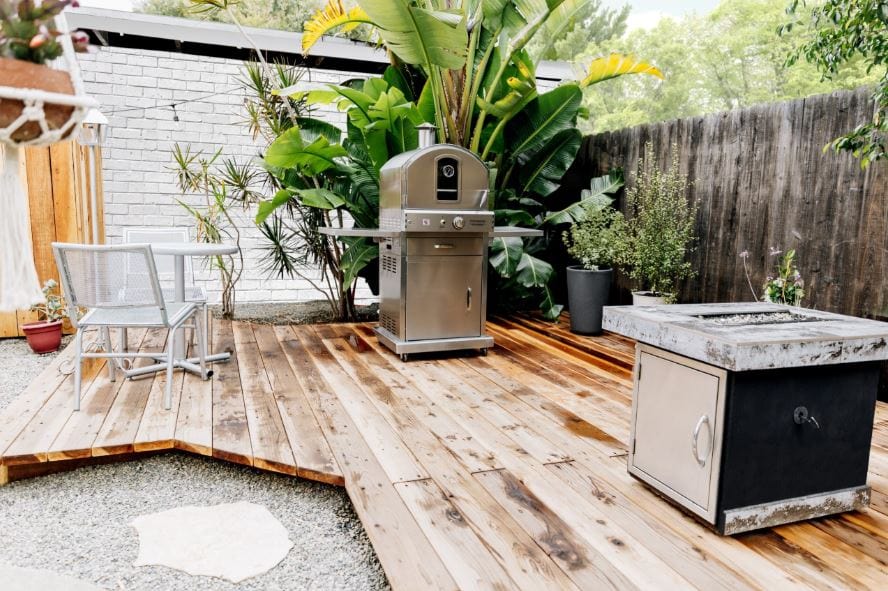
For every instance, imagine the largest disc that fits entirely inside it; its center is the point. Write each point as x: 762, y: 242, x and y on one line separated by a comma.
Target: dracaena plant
x: 28, y: 31
x: 472, y: 68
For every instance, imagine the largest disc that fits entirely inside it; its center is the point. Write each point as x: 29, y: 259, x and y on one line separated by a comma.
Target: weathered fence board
x: 762, y: 181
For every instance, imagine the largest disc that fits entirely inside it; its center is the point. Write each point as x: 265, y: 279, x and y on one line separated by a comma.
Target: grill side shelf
x: 515, y: 232
x: 375, y: 233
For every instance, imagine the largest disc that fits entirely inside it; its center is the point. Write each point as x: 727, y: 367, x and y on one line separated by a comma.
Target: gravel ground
x: 76, y: 523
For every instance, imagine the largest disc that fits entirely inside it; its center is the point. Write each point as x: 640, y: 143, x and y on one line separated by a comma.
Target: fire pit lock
x: 801, y: 416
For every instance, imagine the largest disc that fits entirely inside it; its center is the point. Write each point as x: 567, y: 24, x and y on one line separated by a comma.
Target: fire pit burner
x: 751, y: 319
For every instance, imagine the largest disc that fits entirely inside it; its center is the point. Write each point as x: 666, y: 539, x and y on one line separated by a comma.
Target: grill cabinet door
x: 443, y: 297
x: 676, y: 429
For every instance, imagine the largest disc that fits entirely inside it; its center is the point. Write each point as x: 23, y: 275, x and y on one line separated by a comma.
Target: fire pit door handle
x: 468, y: 299
x: 703, y: 420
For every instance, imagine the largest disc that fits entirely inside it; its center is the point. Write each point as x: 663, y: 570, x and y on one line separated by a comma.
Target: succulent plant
x: 28, y: 31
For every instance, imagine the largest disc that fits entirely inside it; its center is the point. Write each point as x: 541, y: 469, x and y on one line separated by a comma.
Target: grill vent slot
x: 388, y: 322
x: 389, y: 263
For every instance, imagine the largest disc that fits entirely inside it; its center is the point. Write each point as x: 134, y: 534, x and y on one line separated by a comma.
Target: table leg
x: 179, y: 345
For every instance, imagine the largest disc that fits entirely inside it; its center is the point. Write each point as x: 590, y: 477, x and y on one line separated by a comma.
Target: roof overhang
x: 115, y: 28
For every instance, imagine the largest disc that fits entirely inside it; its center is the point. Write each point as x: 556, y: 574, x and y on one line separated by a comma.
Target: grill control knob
x: 458, y: 222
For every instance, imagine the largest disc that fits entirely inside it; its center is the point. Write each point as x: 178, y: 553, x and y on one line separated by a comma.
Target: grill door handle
x: 700, y: 423
x: 443, y: 246
x: 468, y: 299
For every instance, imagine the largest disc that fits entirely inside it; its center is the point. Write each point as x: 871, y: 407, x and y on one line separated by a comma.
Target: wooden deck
x: 504, y: 472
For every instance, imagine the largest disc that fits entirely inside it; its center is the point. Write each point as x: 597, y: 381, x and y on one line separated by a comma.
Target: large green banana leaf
x: 419, y: 36
x: 289, y: 150
x: 542, y: 119
x: 543, y: 172
x: 505, y: 254
x: 596, y: 195
x: 360, y: 252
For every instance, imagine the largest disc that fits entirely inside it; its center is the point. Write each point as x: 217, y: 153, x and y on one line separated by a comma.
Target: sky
x: 645, y: 13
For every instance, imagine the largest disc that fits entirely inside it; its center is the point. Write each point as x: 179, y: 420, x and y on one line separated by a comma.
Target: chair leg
x: 78, y: 370
x: 168, y: 388
x: 112, y: 363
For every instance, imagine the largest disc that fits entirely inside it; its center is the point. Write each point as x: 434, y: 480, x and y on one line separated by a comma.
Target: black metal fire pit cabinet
x: 752, y: 415
x: 434, y: 229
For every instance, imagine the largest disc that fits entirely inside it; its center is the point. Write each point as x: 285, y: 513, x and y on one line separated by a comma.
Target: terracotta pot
x: 21, y: 74
x: 43, y: 337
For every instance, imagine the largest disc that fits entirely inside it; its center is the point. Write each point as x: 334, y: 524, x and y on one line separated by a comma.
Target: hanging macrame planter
x: 39, y: 106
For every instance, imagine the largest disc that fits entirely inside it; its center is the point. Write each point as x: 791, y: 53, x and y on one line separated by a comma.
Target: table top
x: 195, y: 249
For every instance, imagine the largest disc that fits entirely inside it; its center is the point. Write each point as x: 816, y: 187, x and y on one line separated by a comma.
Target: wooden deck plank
x: 466, y: 502
x: 403, y: 550
x: 268, y: 438
x: 194, y: 422
x: 157, y: 429
x: 391, y: 450
x: 466, y: 557
x: 22, y: 409
x: 32, y: 443
x: 311, y: 452
x: 78, y: 436
x: 231, y: 435
x: 505, y: 471
x: 122, y: 422
x: 405, y: 408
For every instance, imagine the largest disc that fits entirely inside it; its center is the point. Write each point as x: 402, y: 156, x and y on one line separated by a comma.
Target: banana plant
x: 321, y: 170
x: 480, y: 91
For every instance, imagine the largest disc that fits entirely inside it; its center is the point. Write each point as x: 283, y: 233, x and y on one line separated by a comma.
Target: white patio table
x: 180, y: 250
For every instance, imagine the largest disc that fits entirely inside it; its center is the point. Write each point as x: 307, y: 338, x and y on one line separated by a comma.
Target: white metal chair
x: 165, y: 264
x: 92, y: 279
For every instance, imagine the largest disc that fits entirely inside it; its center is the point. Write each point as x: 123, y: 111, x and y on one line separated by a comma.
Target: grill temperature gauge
x: 459, y: 222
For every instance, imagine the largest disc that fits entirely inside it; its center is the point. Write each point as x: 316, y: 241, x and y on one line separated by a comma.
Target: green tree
x: 594, y: 24
x: 286, y: 15
x: 846, y: 33
x: 727, y: 59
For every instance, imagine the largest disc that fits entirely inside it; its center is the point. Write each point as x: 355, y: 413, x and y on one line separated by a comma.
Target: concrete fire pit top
x: 746, y: 336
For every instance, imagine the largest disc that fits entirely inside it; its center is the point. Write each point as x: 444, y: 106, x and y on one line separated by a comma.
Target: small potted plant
x: 787, y: 287
x: 597, y: 242
x: 45, y: 336
x: 660, y: 229
x: 28, y: 40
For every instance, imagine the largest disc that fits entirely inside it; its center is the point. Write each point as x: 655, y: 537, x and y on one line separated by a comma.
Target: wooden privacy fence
x: 762, y: 181
x: 58, y: 181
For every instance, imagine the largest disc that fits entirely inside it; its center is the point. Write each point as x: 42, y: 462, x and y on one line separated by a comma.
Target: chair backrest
x: 165, y: 264
x: 92, y: 277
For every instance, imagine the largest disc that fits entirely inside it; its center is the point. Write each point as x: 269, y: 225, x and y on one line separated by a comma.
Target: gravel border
x: 76, y: 523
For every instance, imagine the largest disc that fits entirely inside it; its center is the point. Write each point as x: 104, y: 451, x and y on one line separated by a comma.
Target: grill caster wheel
x: 484, y: 352
x: 403, y: 356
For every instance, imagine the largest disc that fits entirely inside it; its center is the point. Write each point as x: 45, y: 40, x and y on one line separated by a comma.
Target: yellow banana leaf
x: 615, y: 65
x: 332, y: 16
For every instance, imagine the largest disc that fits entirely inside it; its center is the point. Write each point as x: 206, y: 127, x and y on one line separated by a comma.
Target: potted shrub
x: 660, y: 229
x: 29, y: 39
x: 597, y: 242
x: 45, y: 336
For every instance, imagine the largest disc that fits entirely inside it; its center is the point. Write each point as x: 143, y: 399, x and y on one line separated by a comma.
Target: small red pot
x: 43, y: 337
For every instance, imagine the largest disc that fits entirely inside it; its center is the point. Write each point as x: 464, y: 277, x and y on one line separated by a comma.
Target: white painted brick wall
x: 140, y: 188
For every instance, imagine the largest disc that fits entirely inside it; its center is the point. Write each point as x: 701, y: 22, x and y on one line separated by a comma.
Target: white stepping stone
x: 233, y: 541
x: 14, y: 578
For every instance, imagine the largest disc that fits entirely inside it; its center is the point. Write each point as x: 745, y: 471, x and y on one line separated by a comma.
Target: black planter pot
x: 587, y: 294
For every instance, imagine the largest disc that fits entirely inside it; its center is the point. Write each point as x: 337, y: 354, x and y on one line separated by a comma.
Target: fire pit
x: 752, y: 415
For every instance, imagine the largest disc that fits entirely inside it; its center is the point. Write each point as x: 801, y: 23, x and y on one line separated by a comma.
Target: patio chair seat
x: 146, y: 316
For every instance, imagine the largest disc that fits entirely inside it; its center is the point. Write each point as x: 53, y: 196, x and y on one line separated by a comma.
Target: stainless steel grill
x: 435, y: 226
